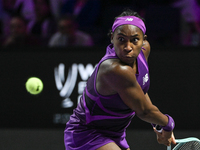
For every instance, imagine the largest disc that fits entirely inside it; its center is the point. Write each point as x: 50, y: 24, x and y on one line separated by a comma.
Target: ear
x: 111, y: 38
x: 147, y: 47
x: 145, y: 39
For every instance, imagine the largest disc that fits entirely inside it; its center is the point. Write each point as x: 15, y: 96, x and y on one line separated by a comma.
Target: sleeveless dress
x: 99, y: 120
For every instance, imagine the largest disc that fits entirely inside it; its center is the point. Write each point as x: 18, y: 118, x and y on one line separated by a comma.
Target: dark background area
x: 174, y: 89
x: 27, y: 121
x: 30, y: 122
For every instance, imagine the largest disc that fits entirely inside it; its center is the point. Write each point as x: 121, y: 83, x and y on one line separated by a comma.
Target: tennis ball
x: 34, y: 85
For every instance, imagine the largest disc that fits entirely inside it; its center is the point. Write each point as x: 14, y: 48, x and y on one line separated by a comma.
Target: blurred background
x: 61, y: 41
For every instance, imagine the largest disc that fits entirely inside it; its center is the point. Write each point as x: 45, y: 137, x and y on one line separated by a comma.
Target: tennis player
x: 116, y: 92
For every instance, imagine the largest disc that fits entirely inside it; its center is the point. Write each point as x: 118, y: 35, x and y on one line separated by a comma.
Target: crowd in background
x: 60, y: 23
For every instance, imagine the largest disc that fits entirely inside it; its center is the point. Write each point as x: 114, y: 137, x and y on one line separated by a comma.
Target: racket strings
x: 193, y: 145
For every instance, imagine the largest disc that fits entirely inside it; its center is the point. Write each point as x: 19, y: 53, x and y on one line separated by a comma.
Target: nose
x: 128, y: 47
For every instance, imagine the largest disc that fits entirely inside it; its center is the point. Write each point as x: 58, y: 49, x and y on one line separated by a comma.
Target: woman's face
x: 127, y: 41
x: 17, y: 27
x: 67, y: 27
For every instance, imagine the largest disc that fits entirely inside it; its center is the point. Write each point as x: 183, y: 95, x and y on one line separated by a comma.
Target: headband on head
x: 132, y: 20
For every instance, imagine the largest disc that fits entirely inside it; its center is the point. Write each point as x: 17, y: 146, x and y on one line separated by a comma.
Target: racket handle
x: 169, y: 147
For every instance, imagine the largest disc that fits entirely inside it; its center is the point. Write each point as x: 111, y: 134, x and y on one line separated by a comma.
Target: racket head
x: 187, y: 143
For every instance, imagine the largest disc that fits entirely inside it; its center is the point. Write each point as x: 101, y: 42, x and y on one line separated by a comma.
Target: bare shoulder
x: 147, y: 50
x: 114, y: 75
x: 115, y: 68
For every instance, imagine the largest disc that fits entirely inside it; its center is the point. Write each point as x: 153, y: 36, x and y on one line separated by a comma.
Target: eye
x: 135, y: 40
x: 121, y: 39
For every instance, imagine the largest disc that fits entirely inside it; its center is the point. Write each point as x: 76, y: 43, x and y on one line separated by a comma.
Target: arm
x: 147, y: 98
x: 164, y: 137
x: 121, y: 78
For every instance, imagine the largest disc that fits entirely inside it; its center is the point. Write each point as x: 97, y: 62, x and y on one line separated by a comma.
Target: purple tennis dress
x: 99, y: 120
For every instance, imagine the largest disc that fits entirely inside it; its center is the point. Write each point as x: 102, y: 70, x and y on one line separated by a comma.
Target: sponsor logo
x: 67, y: 84
x: 145, y: 78
x: 129, y: 19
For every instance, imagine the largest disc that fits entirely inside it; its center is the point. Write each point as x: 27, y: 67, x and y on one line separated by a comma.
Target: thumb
x: 156, y: 131
x: 173, y: 139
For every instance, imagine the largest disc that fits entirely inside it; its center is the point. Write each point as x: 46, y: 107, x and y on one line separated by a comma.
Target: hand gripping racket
x: 191, y: 143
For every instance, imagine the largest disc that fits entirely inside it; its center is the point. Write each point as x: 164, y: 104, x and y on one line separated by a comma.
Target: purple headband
x: 132, y: 20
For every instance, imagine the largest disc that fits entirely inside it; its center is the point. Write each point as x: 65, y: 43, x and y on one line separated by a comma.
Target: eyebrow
x: 127, y: 36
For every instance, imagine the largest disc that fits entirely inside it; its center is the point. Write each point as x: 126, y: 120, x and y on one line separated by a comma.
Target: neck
x: 134, y: 66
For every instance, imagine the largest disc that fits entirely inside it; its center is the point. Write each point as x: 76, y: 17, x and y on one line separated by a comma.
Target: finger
x: 173, y: 139
x: 156, y: 131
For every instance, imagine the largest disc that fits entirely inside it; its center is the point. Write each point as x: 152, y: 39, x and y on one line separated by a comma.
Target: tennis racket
x: 191, y: 143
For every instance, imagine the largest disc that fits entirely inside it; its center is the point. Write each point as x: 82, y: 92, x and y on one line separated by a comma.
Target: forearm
x: 153, y: 115
x: 148, y: 98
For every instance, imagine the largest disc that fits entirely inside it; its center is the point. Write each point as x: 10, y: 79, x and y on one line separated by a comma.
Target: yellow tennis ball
x: 34, y: 85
